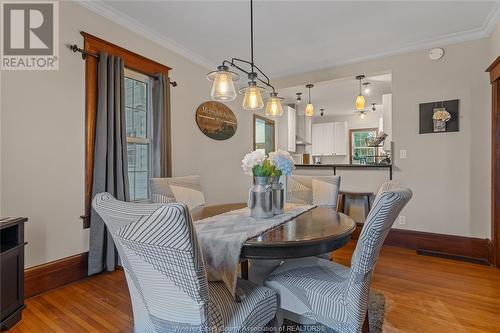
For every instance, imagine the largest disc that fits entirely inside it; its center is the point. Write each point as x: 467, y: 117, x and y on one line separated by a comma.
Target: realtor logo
x: 30, y: 39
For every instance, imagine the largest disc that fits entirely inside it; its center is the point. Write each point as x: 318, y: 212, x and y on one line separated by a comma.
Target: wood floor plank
x: 423, y: 295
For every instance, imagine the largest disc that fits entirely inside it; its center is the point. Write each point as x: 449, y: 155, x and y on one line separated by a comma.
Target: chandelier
x: 223, y: 82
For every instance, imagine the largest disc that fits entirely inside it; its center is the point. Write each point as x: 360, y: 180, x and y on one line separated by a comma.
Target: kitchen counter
x: 335, y: 166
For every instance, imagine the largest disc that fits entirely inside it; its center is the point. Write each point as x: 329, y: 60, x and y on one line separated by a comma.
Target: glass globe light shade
x: 253, y: 97
x: 362, y: 115
x: 360, y: 102
x: 309, y: 110
x: 273, y: 107
x: 223, y: 85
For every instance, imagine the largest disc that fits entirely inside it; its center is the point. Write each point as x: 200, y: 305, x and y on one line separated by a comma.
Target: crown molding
x: 101, y: 8
x: 454, y: 38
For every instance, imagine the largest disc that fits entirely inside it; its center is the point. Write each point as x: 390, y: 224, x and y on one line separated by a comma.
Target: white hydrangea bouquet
x: 266, y: 200
x: 440, y: 117
x: 257, y: 164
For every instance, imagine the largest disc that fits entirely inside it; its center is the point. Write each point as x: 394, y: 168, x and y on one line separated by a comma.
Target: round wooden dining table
x: 317, y: 231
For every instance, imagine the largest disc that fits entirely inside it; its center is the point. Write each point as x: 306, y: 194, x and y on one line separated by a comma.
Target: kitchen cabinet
x: 329, y: 139
x: 286, y: 129
x: 292, y: 119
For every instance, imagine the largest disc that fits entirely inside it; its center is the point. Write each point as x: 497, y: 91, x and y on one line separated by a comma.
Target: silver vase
x: 260, y: 200
x: 278, y: 196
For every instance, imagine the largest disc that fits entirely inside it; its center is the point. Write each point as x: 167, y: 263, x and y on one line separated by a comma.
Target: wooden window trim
x: 267, y: 121
x: 132, y: 61
x: 494, y: 71
x: 352, y: 130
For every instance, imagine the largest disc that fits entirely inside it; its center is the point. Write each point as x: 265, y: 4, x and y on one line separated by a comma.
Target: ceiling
x: 337, y: 96
x: 299, y: 36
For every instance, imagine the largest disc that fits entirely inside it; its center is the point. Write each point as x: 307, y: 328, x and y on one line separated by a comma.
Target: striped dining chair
x: 166, y: 275
x: 313, y: 190
x: 185, y: 189
x: 313, y: 290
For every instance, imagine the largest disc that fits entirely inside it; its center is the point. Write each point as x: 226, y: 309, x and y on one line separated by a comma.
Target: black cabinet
x: 11, y: 270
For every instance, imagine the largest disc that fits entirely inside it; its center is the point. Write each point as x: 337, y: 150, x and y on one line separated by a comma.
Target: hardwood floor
x: 423, y: 294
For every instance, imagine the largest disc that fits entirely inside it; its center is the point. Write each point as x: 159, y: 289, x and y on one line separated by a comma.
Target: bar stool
x: 352, y: 195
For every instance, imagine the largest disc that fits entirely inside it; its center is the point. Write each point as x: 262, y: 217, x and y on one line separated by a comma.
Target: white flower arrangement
x: 441, y: 115
x: 282, y: 161
x: 251, y: 160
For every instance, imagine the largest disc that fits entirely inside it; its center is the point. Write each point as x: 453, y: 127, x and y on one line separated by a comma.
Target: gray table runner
x: 221, y: 238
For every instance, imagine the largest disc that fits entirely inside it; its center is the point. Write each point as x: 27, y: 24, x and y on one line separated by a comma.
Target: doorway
x: 263, y: 134
x: 494, y: 71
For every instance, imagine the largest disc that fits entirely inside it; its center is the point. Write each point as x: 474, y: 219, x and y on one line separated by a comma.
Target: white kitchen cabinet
x: 292, y: 123
x: 317, y: 139
x: 340, y: 139
x: 329, y: 139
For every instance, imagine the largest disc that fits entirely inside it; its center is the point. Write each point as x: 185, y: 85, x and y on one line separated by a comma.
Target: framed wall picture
x: 428, y: 112
x: 216, y: 120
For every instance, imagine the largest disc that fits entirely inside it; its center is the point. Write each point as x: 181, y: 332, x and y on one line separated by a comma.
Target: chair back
x: 162, y: 261
x: 388, y: 203
x: 317, y: 190
x: 186, y: 190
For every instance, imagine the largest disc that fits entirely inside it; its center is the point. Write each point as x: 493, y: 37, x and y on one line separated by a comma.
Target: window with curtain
x: 138, y: 119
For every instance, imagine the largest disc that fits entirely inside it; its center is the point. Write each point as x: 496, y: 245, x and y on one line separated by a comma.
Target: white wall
x: 42, y: 138
x: 448, y: 173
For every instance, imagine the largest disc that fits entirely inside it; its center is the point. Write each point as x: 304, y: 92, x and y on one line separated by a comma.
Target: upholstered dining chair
x: 307, y: 190
x: 317, y: 190
x: 166, y: 276
x: 185, y: 189
x: 314, y: 290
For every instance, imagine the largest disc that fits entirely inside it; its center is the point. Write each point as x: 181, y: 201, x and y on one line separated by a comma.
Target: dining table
x: 314, y: 232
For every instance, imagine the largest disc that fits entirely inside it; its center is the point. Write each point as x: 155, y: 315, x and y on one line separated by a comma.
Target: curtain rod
x: 84, y: 53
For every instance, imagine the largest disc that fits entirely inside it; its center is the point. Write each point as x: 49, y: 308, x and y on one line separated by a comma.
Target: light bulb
x: 309, y: 110
x: 360, y: 102
x: 367, y: 90
x: 362, y: 115
x: 253, y: 98
x: 223, y: 86
x: 273, y: 107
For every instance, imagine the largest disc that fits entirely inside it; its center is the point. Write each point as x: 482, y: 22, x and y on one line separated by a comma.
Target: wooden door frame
x: 351, y: 130
x: 132, y: 61
x: 494, y: 71
x: 266, y: 120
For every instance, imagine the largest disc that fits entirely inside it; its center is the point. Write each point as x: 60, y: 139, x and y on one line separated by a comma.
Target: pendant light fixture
x: 366, y: 90
x: 309, y: 107
x: 223, y: 81
x: 360, y: 99
x: 299, y: 97
x: 321, y: 112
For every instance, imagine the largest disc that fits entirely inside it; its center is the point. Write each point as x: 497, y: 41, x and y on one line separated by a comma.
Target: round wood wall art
x: 216, y: 120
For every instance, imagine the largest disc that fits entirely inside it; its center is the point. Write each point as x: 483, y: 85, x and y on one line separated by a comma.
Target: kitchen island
x: 334, y: 167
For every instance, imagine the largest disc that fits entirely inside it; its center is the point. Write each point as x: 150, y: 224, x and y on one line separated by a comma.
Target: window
x: 138, y: 102
x: 138, y: 122
x: 263, y: 134
x: 360, y: 152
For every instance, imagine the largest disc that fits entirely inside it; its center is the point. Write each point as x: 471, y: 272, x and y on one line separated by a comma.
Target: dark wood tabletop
x: 314, y: 232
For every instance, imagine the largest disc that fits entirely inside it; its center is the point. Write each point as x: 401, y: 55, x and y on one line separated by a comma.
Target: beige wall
x: 448, y: 173
x: 42, y: 138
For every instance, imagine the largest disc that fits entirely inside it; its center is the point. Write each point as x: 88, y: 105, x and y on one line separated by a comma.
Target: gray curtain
x: 161, y: 127
x: 110, y: 157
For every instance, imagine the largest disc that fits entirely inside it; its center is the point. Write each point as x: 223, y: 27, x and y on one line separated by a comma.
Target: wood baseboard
x: 469, y: 249
x: 54, y: 274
